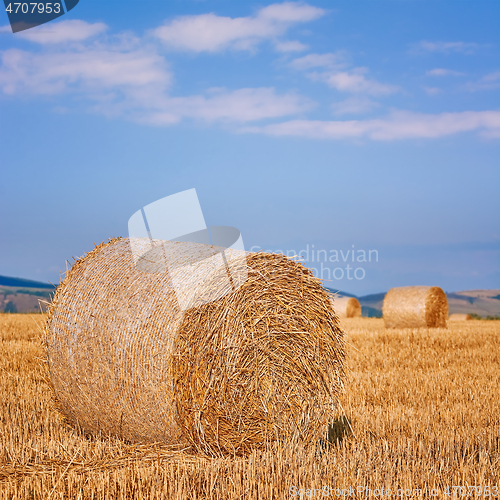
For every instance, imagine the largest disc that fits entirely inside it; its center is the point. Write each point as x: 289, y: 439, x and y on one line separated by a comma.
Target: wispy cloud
x: 92, y: 70
x: 242, y: 105
x: 129, y: 77
x: 443, y: 72
x: 64, y: 31
x: 432, y: 90
x: 447, y: 47
x: 397, y: 126
x: 134, y: 83
x: 330, y: 60
x: 354, y: 81
x: 354, y: 106
x: 337, y: 76
x: 487, y: 82
x: 212, y: 33
x: 290, y: 46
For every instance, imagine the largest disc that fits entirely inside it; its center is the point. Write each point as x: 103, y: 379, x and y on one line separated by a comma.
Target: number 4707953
x: 32, y: 8
x: 462, y: 491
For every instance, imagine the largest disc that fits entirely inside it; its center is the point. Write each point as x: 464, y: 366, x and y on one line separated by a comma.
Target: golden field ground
x: 424, y: 406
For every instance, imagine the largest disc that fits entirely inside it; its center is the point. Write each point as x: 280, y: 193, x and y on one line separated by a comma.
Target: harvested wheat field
x: 423, y: 405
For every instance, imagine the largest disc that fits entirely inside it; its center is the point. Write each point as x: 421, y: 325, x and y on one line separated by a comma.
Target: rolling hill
x: 23, y: 296
x: 26, y: 296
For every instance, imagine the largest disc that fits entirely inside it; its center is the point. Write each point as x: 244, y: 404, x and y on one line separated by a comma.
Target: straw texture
x: 262, y: 363
x: 459, y: 317
x: 347, y: 307
x: 415, y: 307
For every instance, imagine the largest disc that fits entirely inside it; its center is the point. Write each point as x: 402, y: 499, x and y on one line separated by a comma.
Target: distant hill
x: 20, y: 282
x: 340, y: 293
x: 23, y: 296
x: 26, y: 296
x: 480, y: 302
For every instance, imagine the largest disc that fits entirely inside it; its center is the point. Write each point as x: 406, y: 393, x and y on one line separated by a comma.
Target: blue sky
x: 362, y: 125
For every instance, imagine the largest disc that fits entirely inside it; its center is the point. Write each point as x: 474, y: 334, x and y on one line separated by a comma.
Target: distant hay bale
x: 414, y: 307
x: 262, y: 363
x: 459, y: 317
x: 347, y: 307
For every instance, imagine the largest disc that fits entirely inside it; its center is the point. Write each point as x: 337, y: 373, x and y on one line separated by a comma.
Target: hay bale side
x: 347, y: 307
x: 415, y: 307
x: 262, y: 363
x: 459, y: 317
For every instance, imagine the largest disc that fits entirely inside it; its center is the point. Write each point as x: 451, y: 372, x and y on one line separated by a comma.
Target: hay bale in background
x: 347, y: 307
x: 414, y: 307
x: 459, y: 317
x: 262, y: 363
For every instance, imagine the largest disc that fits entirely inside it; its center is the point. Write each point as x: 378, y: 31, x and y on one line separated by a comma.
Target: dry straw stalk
x: 263, y: 363
x: 415, y: 307
x: 347, y: 307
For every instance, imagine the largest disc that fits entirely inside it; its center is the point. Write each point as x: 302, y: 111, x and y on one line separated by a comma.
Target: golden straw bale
x: 414, y: 307
x: 459, y: 317
x: 261, y: 363
x: 347, y: 307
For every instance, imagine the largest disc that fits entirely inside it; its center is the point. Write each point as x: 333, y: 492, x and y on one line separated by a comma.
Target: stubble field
x: 423, y: 405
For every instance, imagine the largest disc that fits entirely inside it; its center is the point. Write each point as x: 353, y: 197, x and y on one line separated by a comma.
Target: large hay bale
x: 262, y: 363
x: 459, y: 317
x: 414, y: 307
x: 347, y: 307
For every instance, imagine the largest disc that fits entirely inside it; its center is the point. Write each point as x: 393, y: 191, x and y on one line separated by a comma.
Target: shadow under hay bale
x: 347, y: 307
x: 262, y: 363
x: 415, y: 307
x: 459, y: 317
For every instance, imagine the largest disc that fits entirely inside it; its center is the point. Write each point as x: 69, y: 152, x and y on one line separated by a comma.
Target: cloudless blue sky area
x: 365, y: 125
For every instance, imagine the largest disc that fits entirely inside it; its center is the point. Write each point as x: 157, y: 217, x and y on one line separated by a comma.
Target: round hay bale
x: 415, y: 307
x: 347, y: 307
x: 459, y: 317
x: 262, y: 363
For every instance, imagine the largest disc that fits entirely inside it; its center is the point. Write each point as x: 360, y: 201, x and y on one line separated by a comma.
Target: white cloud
x: 354, y: 81
x: 487, y: 82
x: 64, y: 31
x: 447, y: 47
x: 242, y: 105
x: 354, y: 106
x: 291, y: 46
x: 338, y: 77
x: 5, y: 29
x: 432, y: 90
x: 329, y: 60
x: 398, y: 125
x: 290, y: 12
x: 492, y: 77
x: 51, y: 73
x: 443, y: 72
x: 134, y: 84
x: 212, y: 33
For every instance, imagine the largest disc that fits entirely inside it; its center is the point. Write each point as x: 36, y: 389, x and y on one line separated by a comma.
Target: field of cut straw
x: 423, y: 405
